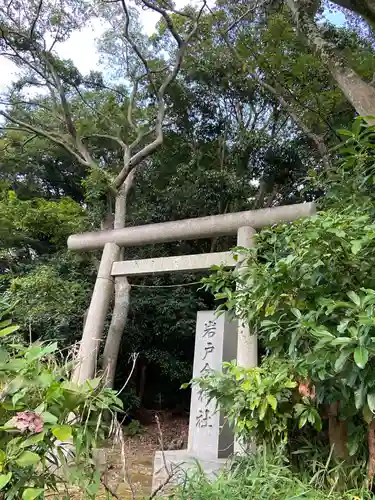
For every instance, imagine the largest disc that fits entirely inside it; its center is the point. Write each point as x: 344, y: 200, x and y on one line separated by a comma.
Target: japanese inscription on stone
x: 203, y: 417
x: 215, y: 342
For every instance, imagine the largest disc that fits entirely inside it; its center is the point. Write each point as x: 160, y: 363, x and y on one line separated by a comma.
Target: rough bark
x: 122, y: 294
x: 338, y: 432
x: 358, y: 92
x: 371, y: 452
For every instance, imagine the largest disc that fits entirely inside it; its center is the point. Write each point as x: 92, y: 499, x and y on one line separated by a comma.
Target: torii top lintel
x: 190, y: 229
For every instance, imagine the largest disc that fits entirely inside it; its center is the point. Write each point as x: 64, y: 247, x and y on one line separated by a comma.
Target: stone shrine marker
x: 215, y: 342
x: 210, y: 440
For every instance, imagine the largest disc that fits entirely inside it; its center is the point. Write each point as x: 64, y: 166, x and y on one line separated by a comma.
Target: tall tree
x: 26, y: 34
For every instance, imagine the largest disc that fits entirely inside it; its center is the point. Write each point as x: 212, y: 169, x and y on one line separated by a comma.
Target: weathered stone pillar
x: 247, y: 345
x: 96, y: 315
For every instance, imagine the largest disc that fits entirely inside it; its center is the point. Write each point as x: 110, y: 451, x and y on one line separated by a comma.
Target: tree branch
x: 108, y: 136
x: 17, y: 55
x: 150, y: 148
x: 27, y: 103
x: 94, y: 109
x: 67, y: 114
x: 53, y: 138
x: 28, y: 140
x: 135, y: 47
x: 36, y: 19
x: 167, y: 18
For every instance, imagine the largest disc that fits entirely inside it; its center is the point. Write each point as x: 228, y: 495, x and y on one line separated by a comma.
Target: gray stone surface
x: 179, y: 464
x: 215, y: 342
x: 247, y: 345
x: 179, y: 263
x: 190, y: 229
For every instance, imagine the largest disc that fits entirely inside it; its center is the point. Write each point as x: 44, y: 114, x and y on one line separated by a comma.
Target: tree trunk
x: 338, y: 432
x: 371, y: 452
x: 358, y: 92
x: 96, y: 315
x: 116, y: 328
x: 122, y: 294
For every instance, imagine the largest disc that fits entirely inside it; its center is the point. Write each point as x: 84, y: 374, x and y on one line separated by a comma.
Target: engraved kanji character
x: 203, y: 419
x: 206, y: 368
x: 209, y: 348
x: 200, y: 395
x: 209, y: 329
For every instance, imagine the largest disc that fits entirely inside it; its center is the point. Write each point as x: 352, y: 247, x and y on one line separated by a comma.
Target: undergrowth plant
x: 263, y: 476
x: 49, y: 426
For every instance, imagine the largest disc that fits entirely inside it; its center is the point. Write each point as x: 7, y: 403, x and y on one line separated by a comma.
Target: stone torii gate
x: 244, y: 224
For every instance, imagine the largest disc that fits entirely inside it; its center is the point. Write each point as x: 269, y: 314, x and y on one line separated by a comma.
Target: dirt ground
x: 131, y: 478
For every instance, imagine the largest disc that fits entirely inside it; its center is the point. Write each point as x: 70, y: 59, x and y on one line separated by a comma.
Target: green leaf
x: 263, y: 409
x: 341, y: 341
x: 371, y: 401
x: 345, y: 132
x: 62, y: 432
x: 361, y: 356
x: 341, y: 360
x: 367, y: 414
x: 359, y: 397
x: 354, y: 298
x: 8, y: 330
x: 72, y: 387
x: 297, y: 313
x: 343, y: 325
x: 27, y: 459
x: 299, y: 408
x: 267, y: 322
x: 272, y: 401
x: 48, y: 418
x: 32, y: 493
x: 290, y: 384
x: 318, y: 422
x: 302, y: 420
x: 36, y: 438
x: 322, y: 332
x: 353, y: 445
x: 93, y: 383
x: 356, y: 246
x: 4, y: 479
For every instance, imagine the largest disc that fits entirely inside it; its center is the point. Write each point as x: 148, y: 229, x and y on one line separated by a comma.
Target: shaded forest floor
x: 135, y: 481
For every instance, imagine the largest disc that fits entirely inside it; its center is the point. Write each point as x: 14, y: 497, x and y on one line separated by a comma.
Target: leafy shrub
x: 48, y: 304
x: 258, y: 401
x: 308, y: 292
x: 40, y: 412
